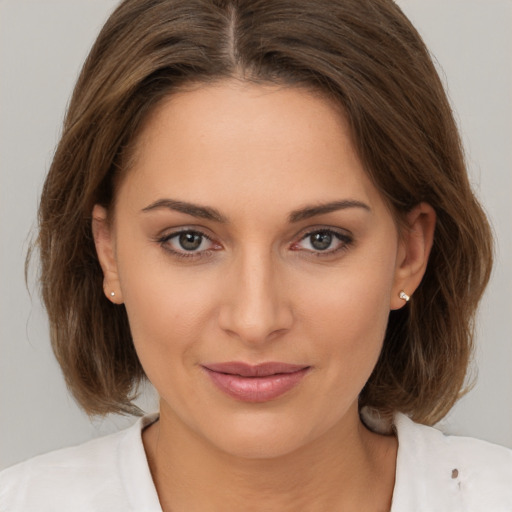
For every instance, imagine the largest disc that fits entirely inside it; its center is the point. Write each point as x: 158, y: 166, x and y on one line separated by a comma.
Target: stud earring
x: 112, y: 294
x: 404, y: 296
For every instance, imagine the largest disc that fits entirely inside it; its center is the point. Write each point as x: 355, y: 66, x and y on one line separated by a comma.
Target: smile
x: 259, y: 383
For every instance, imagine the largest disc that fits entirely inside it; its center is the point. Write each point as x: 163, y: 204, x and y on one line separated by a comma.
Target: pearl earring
x: 404, y: 296
x: 112, y: 294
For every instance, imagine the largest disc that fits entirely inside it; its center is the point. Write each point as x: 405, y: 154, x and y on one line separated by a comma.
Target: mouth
x: 255, y: 383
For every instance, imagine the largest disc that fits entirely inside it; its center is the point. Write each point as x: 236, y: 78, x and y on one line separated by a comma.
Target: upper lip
x: 258, y: 370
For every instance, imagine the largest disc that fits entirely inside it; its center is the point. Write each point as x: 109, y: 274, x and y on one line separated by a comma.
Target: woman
x: 263, y: 208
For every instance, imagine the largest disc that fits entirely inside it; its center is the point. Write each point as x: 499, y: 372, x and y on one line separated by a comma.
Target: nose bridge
x: 255, y: 305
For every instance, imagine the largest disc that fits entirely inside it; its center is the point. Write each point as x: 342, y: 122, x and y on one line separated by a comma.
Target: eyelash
x: 346, y: 240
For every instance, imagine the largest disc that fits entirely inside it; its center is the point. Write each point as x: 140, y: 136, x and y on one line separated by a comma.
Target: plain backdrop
x: 42, y: 47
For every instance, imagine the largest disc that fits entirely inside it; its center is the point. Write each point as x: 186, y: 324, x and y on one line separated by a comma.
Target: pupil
x: 321, y: 241
x: 190, y: 241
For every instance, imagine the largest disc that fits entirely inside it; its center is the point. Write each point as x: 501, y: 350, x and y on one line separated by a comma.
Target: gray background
x: 42, y: 46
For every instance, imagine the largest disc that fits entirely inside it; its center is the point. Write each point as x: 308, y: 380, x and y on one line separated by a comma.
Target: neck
x: 334, y: 472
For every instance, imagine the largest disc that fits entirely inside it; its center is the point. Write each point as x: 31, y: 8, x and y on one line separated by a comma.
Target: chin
x: 262, y: 436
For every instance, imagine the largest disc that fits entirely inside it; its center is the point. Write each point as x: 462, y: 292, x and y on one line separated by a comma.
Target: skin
x: 259, y: 290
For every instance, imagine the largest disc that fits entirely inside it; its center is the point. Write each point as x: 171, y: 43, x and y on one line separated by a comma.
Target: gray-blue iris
x: 321, y: 241
x: 190, y: 241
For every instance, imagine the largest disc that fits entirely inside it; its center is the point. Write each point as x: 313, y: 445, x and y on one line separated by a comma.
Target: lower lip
x: 256, y: 389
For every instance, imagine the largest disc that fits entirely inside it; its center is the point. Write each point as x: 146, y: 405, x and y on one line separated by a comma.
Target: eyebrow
x: 311, y: 211
x: 206, y: 212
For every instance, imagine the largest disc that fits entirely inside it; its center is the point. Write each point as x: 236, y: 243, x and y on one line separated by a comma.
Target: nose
x: 256, y: 307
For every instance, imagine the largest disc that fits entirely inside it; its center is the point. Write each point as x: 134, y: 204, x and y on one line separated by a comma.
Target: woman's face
x: 248, y: 232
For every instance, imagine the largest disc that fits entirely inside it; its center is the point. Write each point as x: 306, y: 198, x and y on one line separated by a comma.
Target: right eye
x: 187, y: 244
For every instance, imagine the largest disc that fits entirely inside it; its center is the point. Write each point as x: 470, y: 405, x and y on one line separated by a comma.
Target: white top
x: 435, y: 473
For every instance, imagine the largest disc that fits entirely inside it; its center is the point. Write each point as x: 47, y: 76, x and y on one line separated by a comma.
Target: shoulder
x: 58, y: 477
x: 87, y: 477
x: 450, y: 472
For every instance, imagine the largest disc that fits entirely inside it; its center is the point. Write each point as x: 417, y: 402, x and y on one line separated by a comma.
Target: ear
x: 413, y: 252
x: 105, y: 248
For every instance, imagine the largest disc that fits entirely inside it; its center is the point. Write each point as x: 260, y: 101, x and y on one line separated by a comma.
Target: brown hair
x: 363, y: 54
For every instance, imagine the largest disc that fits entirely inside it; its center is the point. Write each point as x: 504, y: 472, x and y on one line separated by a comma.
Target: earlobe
x: 104, y: 242
x: 414, y: 251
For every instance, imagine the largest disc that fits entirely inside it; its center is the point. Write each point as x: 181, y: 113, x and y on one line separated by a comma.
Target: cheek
x: 167, y: 308
x: 347, y: 314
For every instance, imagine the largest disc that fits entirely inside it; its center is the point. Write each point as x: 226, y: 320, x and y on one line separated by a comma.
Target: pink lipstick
x: 259, y: 383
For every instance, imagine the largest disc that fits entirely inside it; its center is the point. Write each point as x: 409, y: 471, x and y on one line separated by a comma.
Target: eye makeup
x: 191, y: 241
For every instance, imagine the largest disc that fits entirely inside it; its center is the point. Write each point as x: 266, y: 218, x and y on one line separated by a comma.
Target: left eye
x: 325, y: 240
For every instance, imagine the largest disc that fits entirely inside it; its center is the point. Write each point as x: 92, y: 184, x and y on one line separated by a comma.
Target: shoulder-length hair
x: 362, y: 54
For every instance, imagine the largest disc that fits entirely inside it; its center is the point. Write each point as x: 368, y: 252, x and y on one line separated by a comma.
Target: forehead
x: 237, y: 143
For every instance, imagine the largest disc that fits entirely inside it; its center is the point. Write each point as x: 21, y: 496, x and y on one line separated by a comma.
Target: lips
x: 255, y: 383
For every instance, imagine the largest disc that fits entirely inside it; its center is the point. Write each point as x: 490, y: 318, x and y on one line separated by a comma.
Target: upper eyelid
x: 304, y: 232
x: 316, y: 229
x: 171, y: 234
